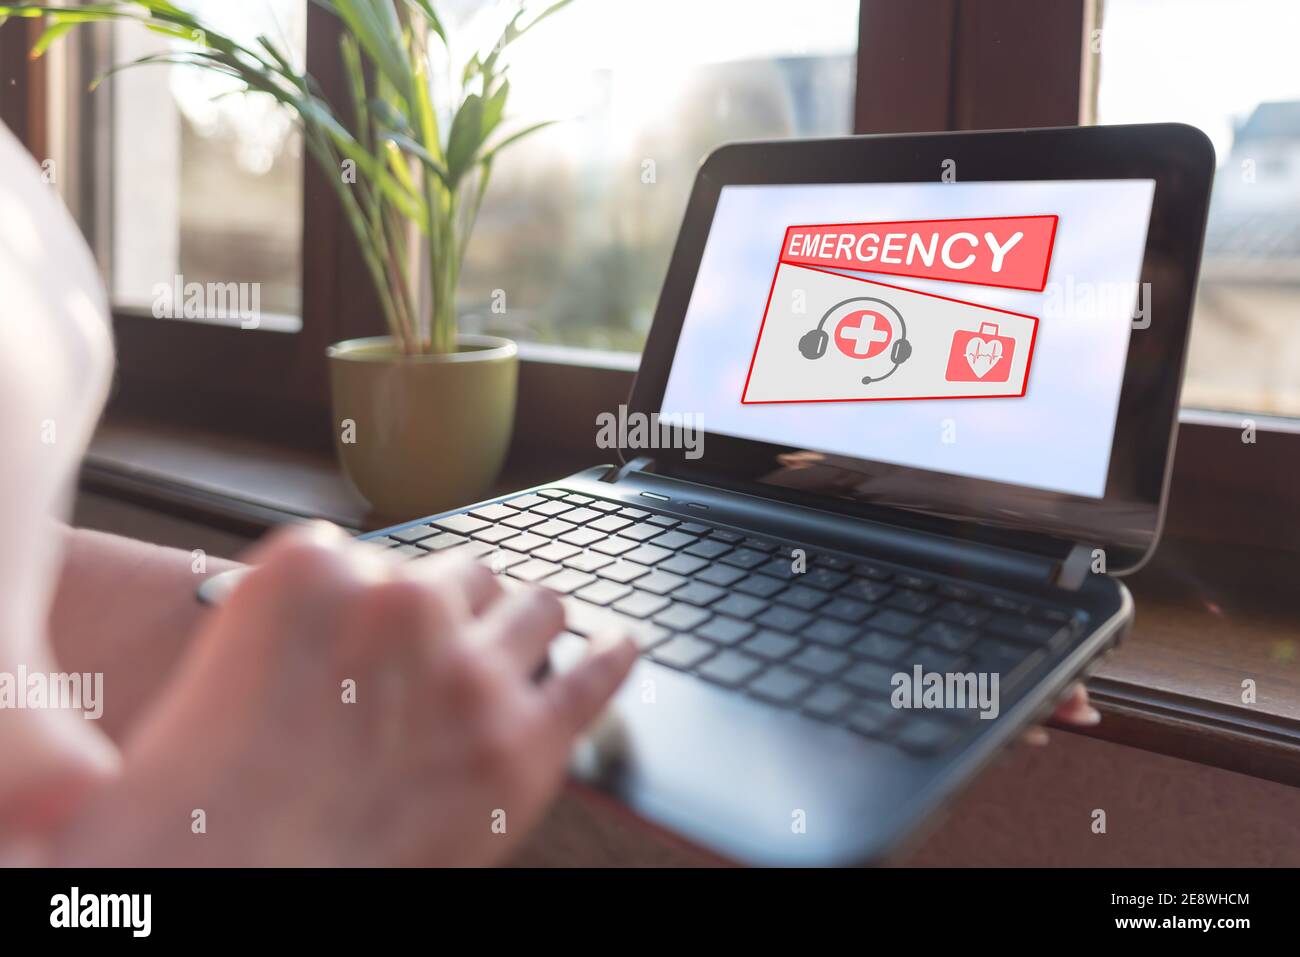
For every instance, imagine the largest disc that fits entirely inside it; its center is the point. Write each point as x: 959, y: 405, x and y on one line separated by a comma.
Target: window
x: 577, y: 229
x: 1228, y: 68
x: 199, y: 187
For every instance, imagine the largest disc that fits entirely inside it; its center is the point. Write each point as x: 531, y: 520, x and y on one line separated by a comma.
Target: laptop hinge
x: 641, y: 463
x: 1073, y: 570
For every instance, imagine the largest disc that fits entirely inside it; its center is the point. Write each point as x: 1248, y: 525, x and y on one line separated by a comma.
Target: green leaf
x: 465, y: 138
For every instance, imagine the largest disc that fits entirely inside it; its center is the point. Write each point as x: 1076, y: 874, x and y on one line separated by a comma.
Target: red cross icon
x: 863, y: 334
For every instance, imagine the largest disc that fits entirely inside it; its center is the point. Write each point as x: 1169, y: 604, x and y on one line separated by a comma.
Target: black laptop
x: 907, y: 409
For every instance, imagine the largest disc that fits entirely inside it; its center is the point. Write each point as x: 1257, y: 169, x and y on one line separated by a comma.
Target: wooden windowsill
x: 1209, y: 617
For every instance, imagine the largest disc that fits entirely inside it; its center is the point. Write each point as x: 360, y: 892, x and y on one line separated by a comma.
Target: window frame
x: 924, y: 65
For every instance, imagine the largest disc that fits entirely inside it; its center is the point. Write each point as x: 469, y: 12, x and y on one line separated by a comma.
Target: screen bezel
x: 1126, y: 519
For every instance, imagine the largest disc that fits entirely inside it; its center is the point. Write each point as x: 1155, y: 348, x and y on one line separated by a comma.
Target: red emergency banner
x: 1011, y: 252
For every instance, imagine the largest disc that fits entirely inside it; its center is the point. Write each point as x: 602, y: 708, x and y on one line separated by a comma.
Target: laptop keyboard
x: 822, y: 634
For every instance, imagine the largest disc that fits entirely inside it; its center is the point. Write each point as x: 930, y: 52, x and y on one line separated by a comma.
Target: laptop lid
x: 981, y: 330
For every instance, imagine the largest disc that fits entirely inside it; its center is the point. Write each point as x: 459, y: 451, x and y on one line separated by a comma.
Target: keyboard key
x: 846, y: 609
x: 610, y: 524
x: 780, y: 686
x: 674, y: 540
x: 956, y: 592
x: 824, y: 578
x: 708, y: 549
x: 722, y: 575
x: 525, y: 542
x: 526, y: 501
x: 681, y: 617
x: 522, y: 520
x: 556, y: 552
x: 553, y: 529
x: 588, y: 561
x: 663, y: 521
x: 760, y: 586
x: 622, y: 572
x: 552, y: 508
x: 721, y: 534
x: 588, y: 620
x: 783, y: 618
x: 896, y: 622
x: 582, y: 537
x: 836, y: 564
x: 1011, y: 663
x: 603, y: 592
x: 870, y: 677
x: 724, y: 631
x: 639, y: 533
x: 614, y: 546
x: 911, y: 601
x: 698, y: 593
x: 822, y: 662
x: 493, y: 513
x: 496, y: 534
x: 932, y: 659
x: 873, y: 571
x: 826, y: 631
x: 580, y: 516
x: 687, y: 565
x: 461, y: 524
x: 409, y: 551
x: 781, y: 568
x: 648, y: 555
x: 864, y: 590
x: 759, y: 545
x: 641, y: 604
x: 741, y: 557
x: 552, y: 493
x: 947, y: 636
x: 635, y: 514
x: 682, y: 652
x: 1007, y: 603
x: 605, y: 507
x: 576, y: 499
x: 499, y: 561
x: 533, y: 570
x: 730, y: 668
x: 660, y: 582
x: 442, y: 542
x: 803, y: 598
x: 566, y: 580
x: 914, y: 582
x: 408, y: 536
x: 961, y: 614
x: 771, y: 645
x: 880, y: 646
x: 471, y: 549
x: 740, y: 606
x: 827, y: 702
x: 381, y: 541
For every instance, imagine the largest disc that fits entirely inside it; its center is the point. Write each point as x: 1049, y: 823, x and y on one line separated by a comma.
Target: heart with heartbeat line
x: 982, y: 355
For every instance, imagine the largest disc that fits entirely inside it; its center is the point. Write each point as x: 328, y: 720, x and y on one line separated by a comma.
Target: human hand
x: 341, y: 707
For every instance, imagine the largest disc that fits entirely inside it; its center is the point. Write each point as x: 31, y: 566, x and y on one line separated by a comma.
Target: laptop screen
x: 976, y: 329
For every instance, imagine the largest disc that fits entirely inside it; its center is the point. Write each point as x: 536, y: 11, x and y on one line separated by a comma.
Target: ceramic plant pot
x: 421, y: 434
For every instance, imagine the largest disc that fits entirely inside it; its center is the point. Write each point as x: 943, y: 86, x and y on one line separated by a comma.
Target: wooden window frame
x: 922, y: 65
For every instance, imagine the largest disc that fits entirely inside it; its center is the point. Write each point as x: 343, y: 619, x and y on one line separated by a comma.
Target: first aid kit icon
x: 983, y: 356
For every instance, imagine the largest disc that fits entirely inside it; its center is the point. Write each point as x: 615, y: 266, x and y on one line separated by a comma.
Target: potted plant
x: 423, y: 415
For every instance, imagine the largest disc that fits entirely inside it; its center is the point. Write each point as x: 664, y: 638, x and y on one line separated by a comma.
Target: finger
x: 578, y: 696
x: 1075, y: 708
x: 402, y: 619
x: 474, y: 588
x: 1035, y: 737
x: 522, y: 624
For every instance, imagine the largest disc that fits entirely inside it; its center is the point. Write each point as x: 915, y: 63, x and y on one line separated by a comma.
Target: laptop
x: 905, y: 416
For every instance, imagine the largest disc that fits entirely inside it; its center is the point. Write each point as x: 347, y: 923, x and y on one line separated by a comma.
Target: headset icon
x: 812, y: 344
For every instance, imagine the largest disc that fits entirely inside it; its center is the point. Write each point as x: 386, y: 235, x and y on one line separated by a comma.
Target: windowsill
x: 1210, y: 616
